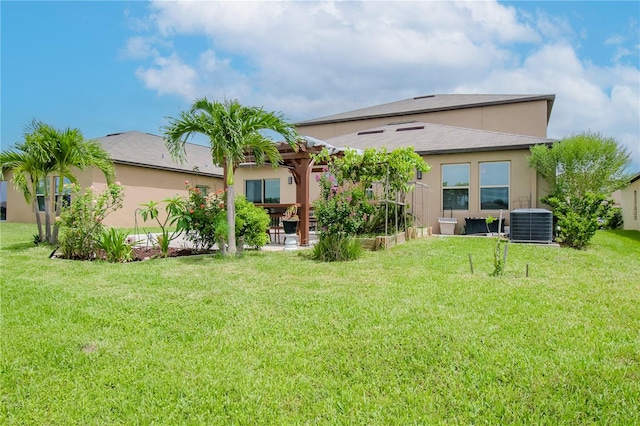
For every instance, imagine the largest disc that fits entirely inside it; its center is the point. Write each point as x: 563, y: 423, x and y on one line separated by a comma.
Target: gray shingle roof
x: 428, y: 103
x: 427, y: 138
x: 147, y: 150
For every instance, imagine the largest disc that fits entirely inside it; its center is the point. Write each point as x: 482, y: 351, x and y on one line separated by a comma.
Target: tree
x: 233, y: 131
x: 29, y: 165
x: 583, y: 171
x: 47, y: 152
x: 581, y: 164
x: 68, y: 149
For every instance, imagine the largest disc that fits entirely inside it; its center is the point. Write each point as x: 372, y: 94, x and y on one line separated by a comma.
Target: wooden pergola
x: 300, y: 164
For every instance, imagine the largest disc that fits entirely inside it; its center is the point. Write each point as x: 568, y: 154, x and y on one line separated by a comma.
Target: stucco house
x: 144, y: 167
x: 630, y: 203
x: 474, y: 173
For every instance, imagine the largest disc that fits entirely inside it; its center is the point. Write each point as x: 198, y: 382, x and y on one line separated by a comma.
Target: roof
x: 428, y: 138
x: 147, y: 150
x: 429, y: 103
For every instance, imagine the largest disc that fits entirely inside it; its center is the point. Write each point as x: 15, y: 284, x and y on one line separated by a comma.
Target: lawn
x: 405, y: 336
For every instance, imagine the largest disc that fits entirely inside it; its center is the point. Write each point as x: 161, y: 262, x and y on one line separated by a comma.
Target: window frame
x: 456, y: 187
x: 263, y: 191
x: 501, y: 186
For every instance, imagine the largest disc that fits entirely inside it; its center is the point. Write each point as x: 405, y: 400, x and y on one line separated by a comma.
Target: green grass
x: 405, y: 336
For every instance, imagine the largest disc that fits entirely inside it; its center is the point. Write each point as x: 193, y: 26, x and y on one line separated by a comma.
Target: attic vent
x: 410, y: 128
x: 114, y: 134
x: 370, y: 132
x: 424, y: 97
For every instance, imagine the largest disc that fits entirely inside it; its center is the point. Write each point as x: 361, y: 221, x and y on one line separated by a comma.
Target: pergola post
x: 301, y: 172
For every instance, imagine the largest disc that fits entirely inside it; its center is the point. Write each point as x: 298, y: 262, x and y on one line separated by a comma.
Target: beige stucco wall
x: 524, y: 191
x: 630, y: 203
x: 526, y: 188
x: 17, y: 208
x: 141, y: 186
x: 145, y: 184
x: 524, y: 118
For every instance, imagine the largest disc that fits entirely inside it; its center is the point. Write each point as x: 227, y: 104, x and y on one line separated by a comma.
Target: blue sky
x: 108, y: 67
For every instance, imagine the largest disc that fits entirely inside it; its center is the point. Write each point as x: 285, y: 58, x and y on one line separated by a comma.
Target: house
x: 629, y: 200
x: 145, y: 169
x: 516, y: 114
x: 474, y: 173
x: 477, y: 147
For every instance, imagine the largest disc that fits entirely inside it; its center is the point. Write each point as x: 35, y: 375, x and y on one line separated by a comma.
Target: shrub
x: 199, y: 217
x: 81, y: 221
x: 577, y: 218
x: 252, y: 223
x: 174, y: 208
x: 114, y: 243
x: 336, y: 248
x: 613, y: 219
x: 342, y: 208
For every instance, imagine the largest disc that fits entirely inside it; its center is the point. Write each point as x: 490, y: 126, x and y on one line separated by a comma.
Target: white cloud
x: 140, y: 47
x: 309, y: 59
x: 170, y: 76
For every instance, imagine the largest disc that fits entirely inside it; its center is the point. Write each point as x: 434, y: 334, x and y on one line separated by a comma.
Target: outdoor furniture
x: 478, y: 225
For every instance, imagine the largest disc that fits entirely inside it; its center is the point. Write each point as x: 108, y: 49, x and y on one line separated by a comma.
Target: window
x: 66, y: 191
x: 40, y: 192
x: 263, y: 190
x: 494, y: 185
x: 455, y: 187
x: 204, y: 189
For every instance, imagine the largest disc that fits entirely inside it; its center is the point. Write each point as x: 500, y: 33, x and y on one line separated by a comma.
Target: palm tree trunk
x: 58, y: 210
x: 231, y: 210
x: 38, y: 220
x: 36, y: 210
x: 47, y: 212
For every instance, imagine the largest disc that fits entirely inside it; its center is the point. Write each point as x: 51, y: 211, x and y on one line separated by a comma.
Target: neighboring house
x: 145, y: 169
x: 630, y: 202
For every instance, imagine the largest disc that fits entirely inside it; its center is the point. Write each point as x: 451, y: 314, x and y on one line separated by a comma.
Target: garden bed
x: 383, y: 242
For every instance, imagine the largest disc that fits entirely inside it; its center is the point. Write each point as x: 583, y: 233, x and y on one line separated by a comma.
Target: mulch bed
x: 144, y: 253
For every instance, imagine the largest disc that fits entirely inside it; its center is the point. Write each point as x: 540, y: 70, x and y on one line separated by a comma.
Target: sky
x: 115, y: 66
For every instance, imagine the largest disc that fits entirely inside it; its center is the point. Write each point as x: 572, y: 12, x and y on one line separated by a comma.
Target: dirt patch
x: 143, y: 253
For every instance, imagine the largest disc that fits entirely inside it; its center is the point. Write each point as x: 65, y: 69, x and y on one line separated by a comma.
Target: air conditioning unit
x: 531, y: 226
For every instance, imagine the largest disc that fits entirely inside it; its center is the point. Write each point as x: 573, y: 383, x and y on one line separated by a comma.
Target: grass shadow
x: 18, y: 246
x: 631, y: 234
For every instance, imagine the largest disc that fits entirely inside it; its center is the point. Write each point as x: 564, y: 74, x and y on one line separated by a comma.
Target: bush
x: 577, y: 218
x: 613, y: 219
x: 336, y: 248
x: 81, y: 221
x: 199, y: 218
x: 114, y: 243
x: 252, y: 223
x: 174, y: 215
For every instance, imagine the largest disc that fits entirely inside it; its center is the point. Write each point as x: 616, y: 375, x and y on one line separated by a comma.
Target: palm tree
x: 68, y: 150
x: 28, y: 165
x: 233, y: 131
x: 47, y: 151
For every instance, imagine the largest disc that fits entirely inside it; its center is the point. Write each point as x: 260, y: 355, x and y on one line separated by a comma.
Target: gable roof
x: 428, y: 138
x: 429, y: 103
x: 147, y: 150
